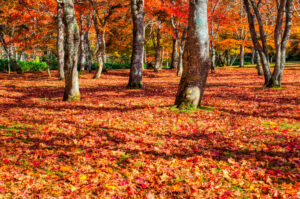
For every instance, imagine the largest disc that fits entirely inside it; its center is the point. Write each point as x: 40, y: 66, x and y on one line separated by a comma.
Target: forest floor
x: 120, y: 143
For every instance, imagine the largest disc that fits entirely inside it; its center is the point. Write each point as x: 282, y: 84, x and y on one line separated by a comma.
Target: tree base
x: 71, y: 98
x: 135, y: 85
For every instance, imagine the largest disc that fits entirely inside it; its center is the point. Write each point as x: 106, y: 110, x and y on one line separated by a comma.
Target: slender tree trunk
x: 253, y: 56
x: 162, y: 58
x: 242, y: 56
x: 281, y: 40
x: 213, y: 57
x: 181, y: 50
x: 14, y: 63
x: 258, y: 64
x: 158, y: 48
x: 233, y: 60
x: 87, y: 45
x: 47, y: 62
x: 261, y: 48
x: 180, y: 62
x: 8, y: 65
x: 60, y: 42
x: 99, y: 53
x: 71, y: 52
x: 82, y: 44
x: 174, y: 61
x: 196, y: 57
x: 136, y: 69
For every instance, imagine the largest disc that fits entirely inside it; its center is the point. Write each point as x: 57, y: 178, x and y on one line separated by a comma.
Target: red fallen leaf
x: 130, y: 190
x: 6, y: 161
x: 46, y: 128
x: 272, y: 172
x: 36, y: 163
x: 2, y: 190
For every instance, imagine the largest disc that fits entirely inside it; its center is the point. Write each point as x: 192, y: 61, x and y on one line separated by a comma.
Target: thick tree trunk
x: 258, y: 64
x: 136, y: 69
x: 158, y: 48
x: 174, y: 61
x: 60, y: 42
x: 196, y: 57
x: 242, y: 56
x: 213, y: 57
x: 71, y: 52
x: 82, y: 44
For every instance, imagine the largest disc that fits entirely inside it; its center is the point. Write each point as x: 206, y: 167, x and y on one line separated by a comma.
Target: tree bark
x: 281, y: 40
x: 213, y: 57
x: 71, y: 52
x: 82, y: 44
x: 180, y: 61
x: 158, y: 48
x: 174, y: 58
x: 87, y: 45
x: 253, y: 54
x: 262, y: 49
x: 60, y: 42
x: 258, y: 64
x: 242, y: 56
x: 196, y: 57
x: 136, y: 69
x: 181, y: 49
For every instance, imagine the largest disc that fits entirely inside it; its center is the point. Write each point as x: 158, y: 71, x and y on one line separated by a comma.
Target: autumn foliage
x: 119, y: 143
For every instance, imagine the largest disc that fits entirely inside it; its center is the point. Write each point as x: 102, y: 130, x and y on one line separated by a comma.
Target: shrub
x: 25, y: 66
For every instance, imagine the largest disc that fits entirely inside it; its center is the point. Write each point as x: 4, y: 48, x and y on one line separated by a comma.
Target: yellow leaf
x: 83, y: 177
x: 110, y: 187
x: 65, y: 168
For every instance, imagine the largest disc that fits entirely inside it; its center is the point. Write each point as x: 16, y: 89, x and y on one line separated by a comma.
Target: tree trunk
x: 87, y: 45
x: 14, y: 63
x: 233, y: 60
x: 71, y: 52
x: 180, y: 62
x: 253, y: 56
x: 242, y: 56
x: 196, y: 57
x: 82, y: 44
x: 258, y: 64
x: 162, y: 58
x: 261, y: 48
x: 174, y: 58
x: 281, y: 40
x: 100, y: 48
x: 60, y: 42
x: 213, y: 57
x: 158, y: 48
x: 136, y: 69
